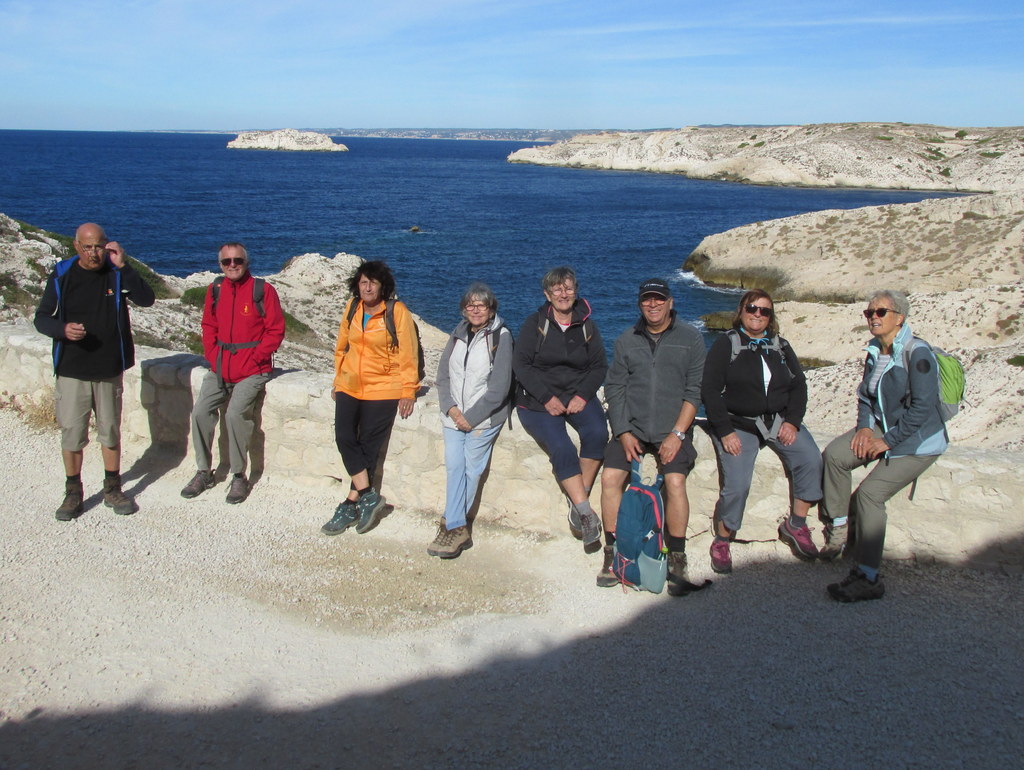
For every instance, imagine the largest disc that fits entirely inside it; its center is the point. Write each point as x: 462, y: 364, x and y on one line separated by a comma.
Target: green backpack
x: 952, y: 380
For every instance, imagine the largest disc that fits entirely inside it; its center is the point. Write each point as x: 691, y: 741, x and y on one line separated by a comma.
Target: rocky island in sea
x: 287, y: 139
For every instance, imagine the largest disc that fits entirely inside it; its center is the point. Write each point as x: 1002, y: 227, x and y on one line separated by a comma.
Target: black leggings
x: 360, y: 429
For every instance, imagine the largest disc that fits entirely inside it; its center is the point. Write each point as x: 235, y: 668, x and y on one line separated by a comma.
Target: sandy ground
x: 198, y: 634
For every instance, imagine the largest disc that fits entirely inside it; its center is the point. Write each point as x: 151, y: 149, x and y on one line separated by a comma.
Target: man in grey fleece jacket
x: 653, y: 392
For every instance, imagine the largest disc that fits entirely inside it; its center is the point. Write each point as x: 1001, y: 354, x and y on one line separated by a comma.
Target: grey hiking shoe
x: 678, y: 585
x: 449, y: 543
x: 202, y: 481
x: 72, y: 506
x: 238, y: 491
x: 345, y: 515
x: 606, y: 578
x: 835, y: 542
x: 575, y: 526
x: 590, y: 526
x: 114, y: 498
x: 856, y: 587
x: 371, y: 506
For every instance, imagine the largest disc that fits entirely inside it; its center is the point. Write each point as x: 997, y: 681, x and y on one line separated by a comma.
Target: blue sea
x: 172, y: 198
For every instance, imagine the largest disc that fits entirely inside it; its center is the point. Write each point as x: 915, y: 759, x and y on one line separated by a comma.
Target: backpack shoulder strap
x: 734, y: 341
x: 258, y: 288
x: 216, y: 290
x: 389, y: 321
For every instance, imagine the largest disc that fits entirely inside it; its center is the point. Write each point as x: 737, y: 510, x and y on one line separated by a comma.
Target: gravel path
x: 198, y: 634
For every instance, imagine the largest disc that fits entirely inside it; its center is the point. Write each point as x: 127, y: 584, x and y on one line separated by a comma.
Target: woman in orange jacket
x: 375, y: 378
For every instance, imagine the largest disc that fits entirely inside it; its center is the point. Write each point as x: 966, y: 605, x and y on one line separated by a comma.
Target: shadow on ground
x: 761, y: 670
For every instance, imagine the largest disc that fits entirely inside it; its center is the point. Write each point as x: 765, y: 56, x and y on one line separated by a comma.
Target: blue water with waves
x: 172, y: 199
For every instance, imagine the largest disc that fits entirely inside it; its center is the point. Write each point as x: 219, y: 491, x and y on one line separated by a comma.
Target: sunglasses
x: 881, y: 312
x: 767, y: 312
x: 236, y: 261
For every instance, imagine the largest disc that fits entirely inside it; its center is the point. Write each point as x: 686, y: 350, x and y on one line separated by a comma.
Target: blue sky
x: 206, y: 64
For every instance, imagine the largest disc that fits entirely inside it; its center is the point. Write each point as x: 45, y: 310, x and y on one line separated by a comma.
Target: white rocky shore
x: 286, y: 139
x: 882, y: 155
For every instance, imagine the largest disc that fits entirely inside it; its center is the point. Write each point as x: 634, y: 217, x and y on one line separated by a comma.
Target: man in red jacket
x: 242, y: 328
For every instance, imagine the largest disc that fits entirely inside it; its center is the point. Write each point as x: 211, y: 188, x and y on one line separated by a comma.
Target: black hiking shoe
x: 856, y: 587
x: 71, y: 508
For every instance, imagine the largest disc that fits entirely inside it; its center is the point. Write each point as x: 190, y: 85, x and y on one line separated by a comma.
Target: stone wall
x: 966, y: 509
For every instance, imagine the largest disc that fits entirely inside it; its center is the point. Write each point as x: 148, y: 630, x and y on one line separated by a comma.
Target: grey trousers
x: 238, y: 418
x: 801, y: 458
x: 867, y: 504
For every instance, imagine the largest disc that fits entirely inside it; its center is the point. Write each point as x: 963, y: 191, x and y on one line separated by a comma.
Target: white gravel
x: 198, y: 634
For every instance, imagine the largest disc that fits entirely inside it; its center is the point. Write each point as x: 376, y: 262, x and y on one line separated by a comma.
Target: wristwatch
x: 679, y: 434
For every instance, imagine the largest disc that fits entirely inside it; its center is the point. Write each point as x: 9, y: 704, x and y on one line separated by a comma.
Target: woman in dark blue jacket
x: 560, y: 363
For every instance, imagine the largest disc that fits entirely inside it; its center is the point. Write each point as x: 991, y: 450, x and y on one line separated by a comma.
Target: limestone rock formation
x: 286, y: 139
x: 879, y: 155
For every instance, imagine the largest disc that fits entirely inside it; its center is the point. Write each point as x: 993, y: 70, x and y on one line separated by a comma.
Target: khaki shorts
x: 75, y: 400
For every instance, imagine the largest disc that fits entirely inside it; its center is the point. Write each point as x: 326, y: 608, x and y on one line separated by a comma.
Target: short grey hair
x: 557, y: 276
x: 899, y: 300
x: 479, y: 292
x: 235, y: 245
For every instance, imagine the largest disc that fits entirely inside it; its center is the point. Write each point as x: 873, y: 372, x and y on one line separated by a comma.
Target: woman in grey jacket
x: 899, y: 425
x: 474, y: 392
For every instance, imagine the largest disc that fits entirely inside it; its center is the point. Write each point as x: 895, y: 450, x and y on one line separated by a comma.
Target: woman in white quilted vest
x: 474, y: 381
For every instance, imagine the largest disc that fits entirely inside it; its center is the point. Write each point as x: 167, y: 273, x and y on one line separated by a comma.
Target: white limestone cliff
x: 877, y: 155
x: 286, y: 139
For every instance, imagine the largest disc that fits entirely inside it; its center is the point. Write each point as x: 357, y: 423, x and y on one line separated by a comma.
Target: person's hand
x: 554, y: 407
x: 631, y: 446
x: 576, y: 405
x: 787, y: 433
x: 116, y: 254
x: 731, y: 443
x: 876, y: 447
x: 459, y: 419
x: 405, y: 406
x: 861, y: 440
x: 74, y: 332
x: 670, y: 446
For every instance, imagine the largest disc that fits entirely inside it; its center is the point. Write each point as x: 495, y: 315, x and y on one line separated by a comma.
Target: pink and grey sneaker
x: 799, y: 541
x: 721, y: 558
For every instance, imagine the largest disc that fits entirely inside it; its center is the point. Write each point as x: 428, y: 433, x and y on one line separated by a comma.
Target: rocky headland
x: 288, y: 139
x: 880, y: 155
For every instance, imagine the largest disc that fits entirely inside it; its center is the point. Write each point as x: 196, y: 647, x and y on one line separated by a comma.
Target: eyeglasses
x: 236, y: 261
x: 476, y: 306
x: 652, y: 299
x: 881, y: 312
x: 767, y: 312
x: 564, y: 290
x: 92, y: 246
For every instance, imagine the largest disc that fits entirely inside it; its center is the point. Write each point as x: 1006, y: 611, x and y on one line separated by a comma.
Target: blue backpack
x: 640, y: 559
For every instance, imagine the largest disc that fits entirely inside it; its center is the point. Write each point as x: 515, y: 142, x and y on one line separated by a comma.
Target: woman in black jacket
x: 560, y: 363
x: 755, y: 395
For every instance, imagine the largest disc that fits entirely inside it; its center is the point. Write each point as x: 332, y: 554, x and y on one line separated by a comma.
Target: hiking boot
x: 202, y: 481
x: 799, y: 541
x: 345, y: 515
x: 606, y: 578
x: 835, y: 542
x: 721, y: 558
x: 114, y: 498
x: 238, y: 491
x: 449, y: 543
x: 575, y: 526
x: 590, y: 527
x: 72, y: 506
x: 678, y: 585
x: 856, y: 587
x: 371, y: 506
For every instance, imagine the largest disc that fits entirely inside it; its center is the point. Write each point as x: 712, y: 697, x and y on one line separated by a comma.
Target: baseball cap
x: 655, y: 286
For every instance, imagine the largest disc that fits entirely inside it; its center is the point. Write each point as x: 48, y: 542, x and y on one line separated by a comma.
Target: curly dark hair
x: 376, y: 271
x: 773, y: 323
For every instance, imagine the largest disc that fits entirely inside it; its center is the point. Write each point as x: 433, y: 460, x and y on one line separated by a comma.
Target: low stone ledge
x: 966, y: 508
